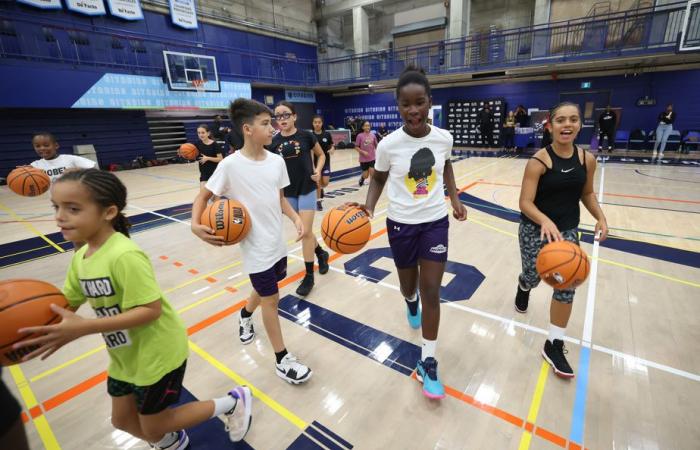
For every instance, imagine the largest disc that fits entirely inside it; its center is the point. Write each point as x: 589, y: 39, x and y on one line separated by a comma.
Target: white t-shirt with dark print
x: 54, y: 168
x: 256, y: 184
x: 415, y: 167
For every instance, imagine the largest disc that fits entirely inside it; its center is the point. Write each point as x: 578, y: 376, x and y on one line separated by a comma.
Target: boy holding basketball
x: 256, y: 178
x: 51, y: 162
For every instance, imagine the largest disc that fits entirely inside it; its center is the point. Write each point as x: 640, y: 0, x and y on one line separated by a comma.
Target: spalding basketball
x: 25, y: 303
x: 562, y: 265
x: 188, y: 151
x: 346, y: 229
x: 229, y: 219
x: 28, y: 181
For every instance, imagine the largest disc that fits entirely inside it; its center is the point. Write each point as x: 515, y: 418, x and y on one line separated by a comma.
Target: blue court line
x: 579, y: 412
x: 211, y: 434
x: 661, y: 252
x: 337, y: 438
x: 650, y: 207
x: 665, y: 178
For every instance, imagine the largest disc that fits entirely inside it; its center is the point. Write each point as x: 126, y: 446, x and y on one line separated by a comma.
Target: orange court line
x: 193, y: 271
x: 211, y: 279
x: 164, y: 258
x: 24, y: 416
x: 35, y: 412
x: 178, y: 264
x: 82, y: 387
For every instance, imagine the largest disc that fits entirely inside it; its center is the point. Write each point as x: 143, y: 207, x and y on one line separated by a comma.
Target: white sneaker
x: 292, y: 371
x: 246, y: 332
x: 175, y: 440
x: 239, y: 419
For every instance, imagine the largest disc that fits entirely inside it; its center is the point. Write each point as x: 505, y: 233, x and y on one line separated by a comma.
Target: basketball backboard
x: 189, y: 72
x: 690, y: 33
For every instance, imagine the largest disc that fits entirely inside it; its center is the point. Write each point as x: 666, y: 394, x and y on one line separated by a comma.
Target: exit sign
x: 585, y: 85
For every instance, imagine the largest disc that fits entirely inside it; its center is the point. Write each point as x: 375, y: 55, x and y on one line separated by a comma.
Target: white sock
x: 412, y: 299
x: 555, y: 332
x: 428, y: 350
x: 222, y: 405
x: 167, y: 440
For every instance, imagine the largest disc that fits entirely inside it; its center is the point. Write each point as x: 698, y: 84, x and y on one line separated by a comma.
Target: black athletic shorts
x: 366, y: 165
x: 9, y: 409
x: 154, y: 398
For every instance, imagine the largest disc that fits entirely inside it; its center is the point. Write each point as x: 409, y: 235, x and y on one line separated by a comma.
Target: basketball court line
x: 38, y: 418
x: 526, y: 437
x: 30, y: 227
x: 578, y: 415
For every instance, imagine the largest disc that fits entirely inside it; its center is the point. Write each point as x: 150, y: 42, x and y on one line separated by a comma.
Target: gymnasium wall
x: 680, y: 88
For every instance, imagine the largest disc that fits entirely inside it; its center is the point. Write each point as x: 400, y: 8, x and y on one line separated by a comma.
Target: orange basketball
x: 28, y: 181
x: 229, y: 219
x: 346, y: 229
x: 188, y: 151
x: 25, y: 303
x: 563, y: 265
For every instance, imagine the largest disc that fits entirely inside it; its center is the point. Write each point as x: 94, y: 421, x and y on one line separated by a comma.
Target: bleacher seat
x: 623, y: 137
x: 637, y: 140
x: 690, y: 141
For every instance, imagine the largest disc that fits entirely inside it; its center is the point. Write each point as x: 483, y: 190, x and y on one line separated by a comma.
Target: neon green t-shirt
x: 117, y: 277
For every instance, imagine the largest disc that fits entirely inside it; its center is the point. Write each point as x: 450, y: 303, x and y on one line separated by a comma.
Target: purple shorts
x: 409, y: 243
x: 265, y: 283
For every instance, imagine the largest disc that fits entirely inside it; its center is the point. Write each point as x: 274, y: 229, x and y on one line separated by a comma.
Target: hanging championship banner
x: 87, y: 7
x: 183, y: 13
x: 43, y: 4
x: 125, y: 9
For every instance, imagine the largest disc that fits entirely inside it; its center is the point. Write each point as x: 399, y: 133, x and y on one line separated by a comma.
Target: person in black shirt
x: 325, y: 140
x: 521, y: 116
x: 219, y: 130
x: 663, y: 129
x: 209, y: 154
x: 485, y: 120
x: 606, y: 127
x: 298, y: 148
x: 234, y: 141
x: 556, y: 179
x: 382, y: 132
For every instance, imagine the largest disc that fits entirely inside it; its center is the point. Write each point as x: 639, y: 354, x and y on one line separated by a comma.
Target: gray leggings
x: 530, y: 245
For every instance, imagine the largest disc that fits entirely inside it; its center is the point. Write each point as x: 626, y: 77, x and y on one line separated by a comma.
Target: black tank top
x: 559, y: 190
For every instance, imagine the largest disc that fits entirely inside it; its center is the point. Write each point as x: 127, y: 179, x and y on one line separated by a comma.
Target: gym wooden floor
x: 633, y: 338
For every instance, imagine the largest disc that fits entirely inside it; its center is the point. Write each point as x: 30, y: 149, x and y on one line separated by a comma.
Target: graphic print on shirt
x: 289, y: 149
x: 102, y: 287
x: 421, y: 176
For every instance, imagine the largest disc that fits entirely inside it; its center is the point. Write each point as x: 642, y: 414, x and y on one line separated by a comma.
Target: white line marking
x: 131, y: 205
x: 199, y: 291
x: 593, y: 276
x: 236, y: 275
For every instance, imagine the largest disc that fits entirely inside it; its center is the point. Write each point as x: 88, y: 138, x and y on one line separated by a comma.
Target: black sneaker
x: 362, y: 181
x: 521, y: 300
x: 319, y: 205
x: 323, y: 262
x: 306, y: 285
x: 553, y: 353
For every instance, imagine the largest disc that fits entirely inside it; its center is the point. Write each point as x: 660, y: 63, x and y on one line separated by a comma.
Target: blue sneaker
x: 426, y: 372
x: 414, y: 321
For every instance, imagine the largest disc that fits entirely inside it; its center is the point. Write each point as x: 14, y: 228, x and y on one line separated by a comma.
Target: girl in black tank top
x: 556, y: 179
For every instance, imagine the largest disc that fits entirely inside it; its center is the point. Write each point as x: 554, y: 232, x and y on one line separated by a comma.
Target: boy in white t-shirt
x: 256, y: 178
x: 54, y: 164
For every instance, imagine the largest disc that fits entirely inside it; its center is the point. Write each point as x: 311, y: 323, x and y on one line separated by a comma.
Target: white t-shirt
x: 256, y: 184
x: 415, y: 167
x: 54, y: 168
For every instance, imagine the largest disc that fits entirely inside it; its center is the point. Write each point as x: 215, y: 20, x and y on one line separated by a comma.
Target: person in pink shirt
x: 366, y: 146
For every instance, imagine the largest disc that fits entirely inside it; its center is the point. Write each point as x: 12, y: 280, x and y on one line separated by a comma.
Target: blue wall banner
x: 43, y: 4
x: 126, y: 9
x: 184, y: 13
x: 300, y: 96
x: 115, y: 90
x: 87, y: 7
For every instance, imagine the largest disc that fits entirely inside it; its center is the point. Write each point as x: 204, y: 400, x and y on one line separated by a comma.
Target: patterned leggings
x: 530, y: 245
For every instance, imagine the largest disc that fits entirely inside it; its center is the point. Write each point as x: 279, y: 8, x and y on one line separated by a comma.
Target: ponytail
x: 121, y: 224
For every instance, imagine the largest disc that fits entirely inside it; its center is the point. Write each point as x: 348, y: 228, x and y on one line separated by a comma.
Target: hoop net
x: 199, y: 85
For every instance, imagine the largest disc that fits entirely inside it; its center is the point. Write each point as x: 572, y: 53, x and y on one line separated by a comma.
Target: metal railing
x: 636, y: 32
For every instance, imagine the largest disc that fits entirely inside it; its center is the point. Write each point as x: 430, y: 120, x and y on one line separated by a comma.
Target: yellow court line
x: 603, y: 260
x: 534, y: 405
x: 66, y: 364
x: 260, y: 395
x: 31, y: 227
x: 40, y: 422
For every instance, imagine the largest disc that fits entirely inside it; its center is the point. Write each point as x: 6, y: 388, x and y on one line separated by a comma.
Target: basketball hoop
x: 199, y: 85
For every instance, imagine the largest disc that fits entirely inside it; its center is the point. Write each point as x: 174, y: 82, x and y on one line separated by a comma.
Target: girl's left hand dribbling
x: 601, y: 230
x: 202, y: 159
x: 52, y: 337
x: 459, y: 211
x: 300, y: 228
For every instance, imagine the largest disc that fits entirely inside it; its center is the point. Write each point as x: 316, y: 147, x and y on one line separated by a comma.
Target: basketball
x: 188, y: 151
x: 229, y: 219
x: 25, y: 303
x: 28, y: 181
x: 346, y: 229
x: 562, y: 265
